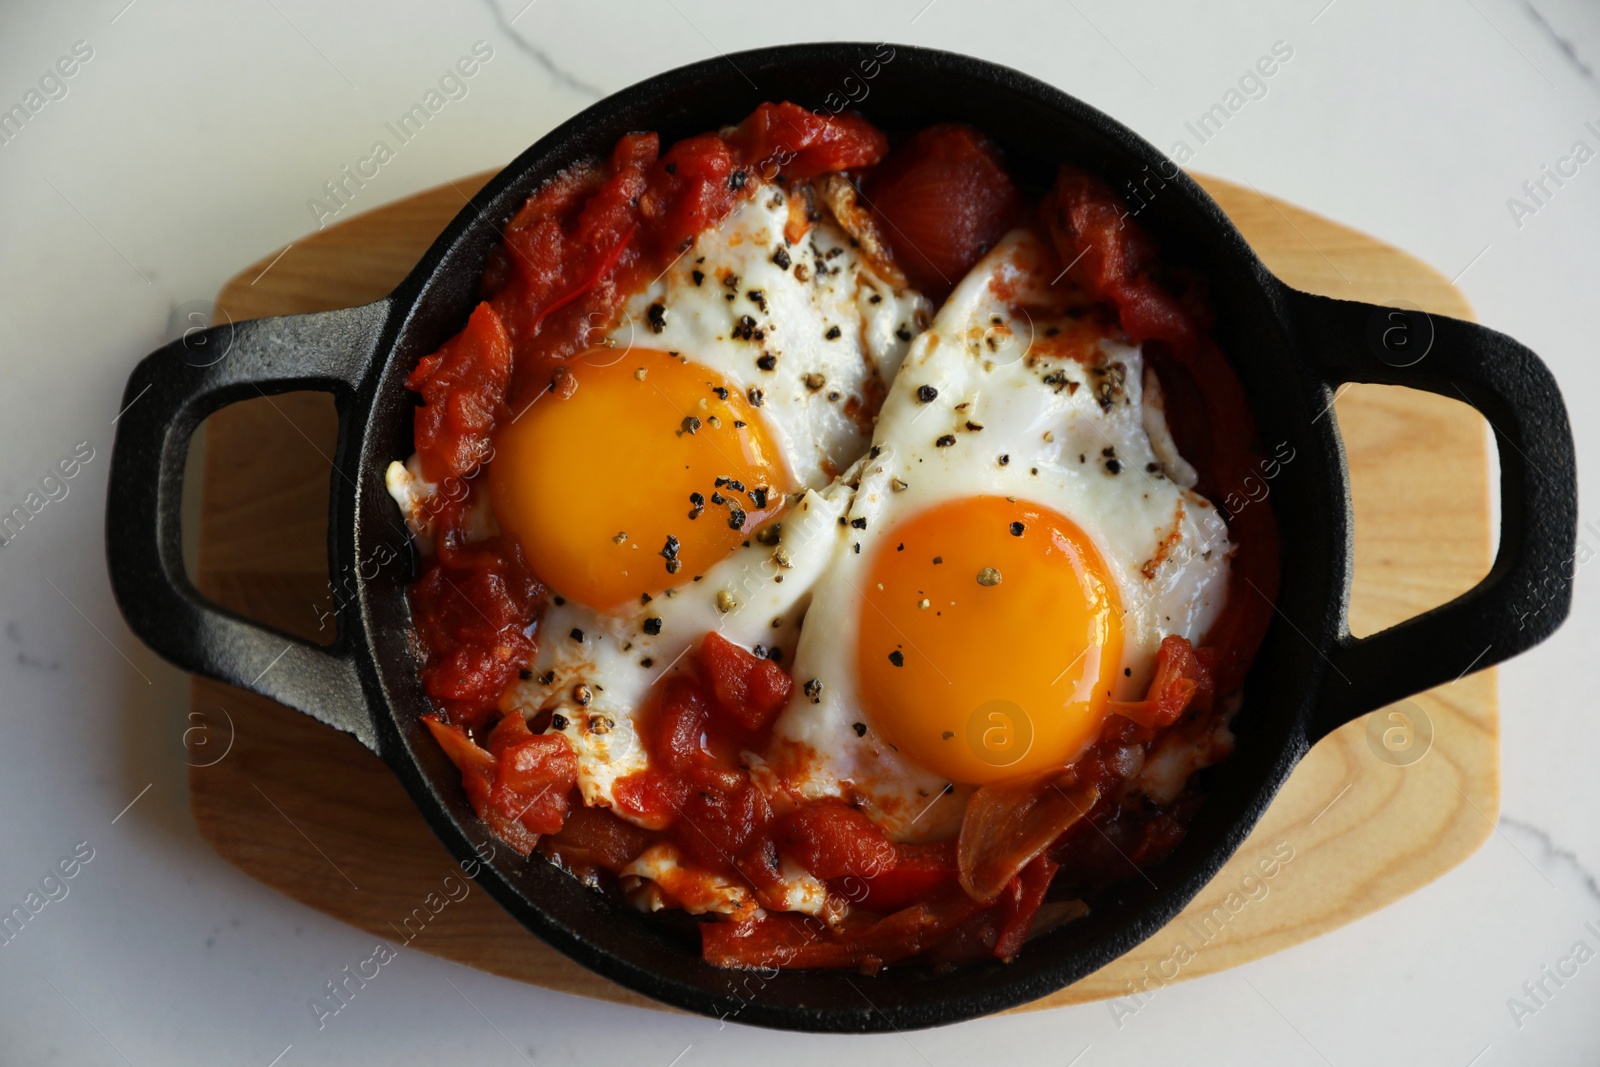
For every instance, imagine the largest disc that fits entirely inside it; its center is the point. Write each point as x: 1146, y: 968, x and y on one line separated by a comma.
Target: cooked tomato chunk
x: 690, y: 189
x: 554, y: 276
x: 917, y: 870
x: 723, y: 825
x: 535, y: 774
x: 1113, y: 258
x: 832, y: 840
x: 1182, y: 678
x: 596, y: 837
x: 1020, y: 902
x: 479, y: 769
x: 944, y: 198
x: 802, y: 143
x: 472, y: 620
x: 791, y: 941
x: 463, y: 387
x: 681, y: 737
x: 748, y: 688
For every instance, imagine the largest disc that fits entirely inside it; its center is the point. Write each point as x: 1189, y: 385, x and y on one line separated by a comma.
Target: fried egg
x: 1022, y: 537
x: 749, y: 358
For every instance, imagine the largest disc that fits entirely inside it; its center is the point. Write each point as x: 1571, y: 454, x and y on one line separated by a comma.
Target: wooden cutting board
x: 1361, y: 823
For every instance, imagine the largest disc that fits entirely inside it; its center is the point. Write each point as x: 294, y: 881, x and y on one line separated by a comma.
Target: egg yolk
x: 990, y: 637
x: 651, y: 471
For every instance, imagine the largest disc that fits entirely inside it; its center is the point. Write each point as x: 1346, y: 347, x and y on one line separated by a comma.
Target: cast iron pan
x: 1289, y: 348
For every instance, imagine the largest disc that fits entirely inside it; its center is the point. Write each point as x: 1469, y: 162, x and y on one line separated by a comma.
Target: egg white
x: 662, y: 877
x: 834, y: 330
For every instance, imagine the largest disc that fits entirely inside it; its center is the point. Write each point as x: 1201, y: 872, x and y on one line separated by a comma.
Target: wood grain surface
x: 1361, y: 822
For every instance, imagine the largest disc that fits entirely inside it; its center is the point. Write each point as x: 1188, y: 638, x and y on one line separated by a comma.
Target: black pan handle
x: 1528, y: 591
x: 170, y: 392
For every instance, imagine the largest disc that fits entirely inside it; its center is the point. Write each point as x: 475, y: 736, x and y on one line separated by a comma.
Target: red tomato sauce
x: 569, y: 258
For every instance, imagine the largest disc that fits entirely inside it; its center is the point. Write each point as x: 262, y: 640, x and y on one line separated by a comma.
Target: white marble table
x: 189, y: 143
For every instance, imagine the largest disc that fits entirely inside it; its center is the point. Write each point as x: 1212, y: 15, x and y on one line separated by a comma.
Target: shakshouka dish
x: 833, y: 545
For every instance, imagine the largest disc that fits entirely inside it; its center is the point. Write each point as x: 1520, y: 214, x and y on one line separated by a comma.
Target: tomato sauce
x: 570, y: 256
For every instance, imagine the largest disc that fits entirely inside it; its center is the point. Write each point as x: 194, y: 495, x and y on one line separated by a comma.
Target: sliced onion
x: 1007, y: 824
x: 841, y: 199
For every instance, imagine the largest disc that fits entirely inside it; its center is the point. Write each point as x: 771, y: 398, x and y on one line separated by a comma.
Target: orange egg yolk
x: 651, y: 471
x: 990, y: 637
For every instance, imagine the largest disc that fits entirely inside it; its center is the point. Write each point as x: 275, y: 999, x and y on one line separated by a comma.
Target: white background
x: 189, y: 146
